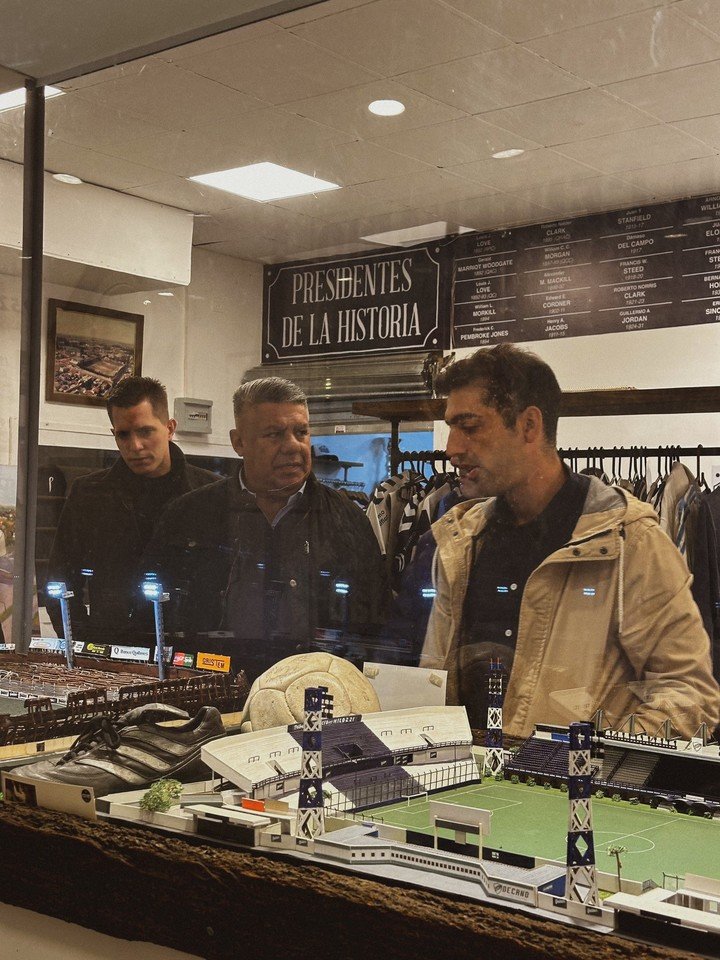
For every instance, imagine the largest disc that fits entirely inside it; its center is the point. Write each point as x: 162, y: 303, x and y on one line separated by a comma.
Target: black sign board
x: 368, y: 303
x: 636, y: 269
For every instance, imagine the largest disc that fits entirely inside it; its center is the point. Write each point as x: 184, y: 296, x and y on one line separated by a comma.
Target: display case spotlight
x: 153, y: 591
x: 342, y: 588
x: 428, y: 593
x: 57, y: 590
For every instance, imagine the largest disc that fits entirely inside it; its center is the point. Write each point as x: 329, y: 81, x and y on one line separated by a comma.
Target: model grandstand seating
x: 540, y: 757
x: 635, y: 768
x: 347, y: 745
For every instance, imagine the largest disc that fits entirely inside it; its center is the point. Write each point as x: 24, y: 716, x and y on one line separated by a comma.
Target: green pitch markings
x: 534, y: 822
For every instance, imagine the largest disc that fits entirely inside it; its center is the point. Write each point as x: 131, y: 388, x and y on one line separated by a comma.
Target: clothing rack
x: 580, y: 403
x: 416, y: 457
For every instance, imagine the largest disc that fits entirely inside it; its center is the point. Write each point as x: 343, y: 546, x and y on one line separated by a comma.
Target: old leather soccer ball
x: 277, y: 697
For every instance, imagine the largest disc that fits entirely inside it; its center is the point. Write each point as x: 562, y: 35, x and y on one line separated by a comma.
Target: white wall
x: 197, y: 342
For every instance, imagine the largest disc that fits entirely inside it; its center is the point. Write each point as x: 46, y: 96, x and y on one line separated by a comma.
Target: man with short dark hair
x: 270, y: 555
x: 109, y: 516
x: 570, y: 583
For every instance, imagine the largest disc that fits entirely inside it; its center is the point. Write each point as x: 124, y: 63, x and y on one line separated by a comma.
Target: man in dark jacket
x: 110, y: 515
x: 270, y: 555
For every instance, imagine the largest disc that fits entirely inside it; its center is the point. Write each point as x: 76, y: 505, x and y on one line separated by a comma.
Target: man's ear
x: 236, y: 442
x: 172, y: 427
x: 531, y: 420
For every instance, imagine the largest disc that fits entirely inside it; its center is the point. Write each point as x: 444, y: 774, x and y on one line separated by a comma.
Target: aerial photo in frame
x: 89, y: 351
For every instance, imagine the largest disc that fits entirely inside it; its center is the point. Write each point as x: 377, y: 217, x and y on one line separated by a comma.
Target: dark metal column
x: 30, y: 342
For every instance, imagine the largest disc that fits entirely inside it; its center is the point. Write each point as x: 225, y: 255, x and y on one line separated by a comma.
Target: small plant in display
x: 161, y: 796
x: 530, y: 781
x: 616, y: 797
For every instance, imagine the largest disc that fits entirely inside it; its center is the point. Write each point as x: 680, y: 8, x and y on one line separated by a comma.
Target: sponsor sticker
x: 98, y: 649
x: 130, y: 653
x: 48, y: 644
x: 213, y: 661
x: 184, y: 660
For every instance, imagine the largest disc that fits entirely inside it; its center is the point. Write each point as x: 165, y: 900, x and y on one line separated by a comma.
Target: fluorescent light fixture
x: 66, y: 178
x: 264, y: 182
x: 507, y: 154
x: 409, y: 236
x: 165, y: 293
x: 16, y: 98
x: 386, y: 108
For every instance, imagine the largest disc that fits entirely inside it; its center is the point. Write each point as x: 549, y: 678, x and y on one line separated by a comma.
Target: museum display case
x: 350, y: 195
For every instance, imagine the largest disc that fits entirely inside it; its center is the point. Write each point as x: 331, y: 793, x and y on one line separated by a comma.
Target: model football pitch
x: 533, y: 821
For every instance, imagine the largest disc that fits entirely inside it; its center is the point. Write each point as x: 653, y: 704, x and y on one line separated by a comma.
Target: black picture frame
x: 89, y: 351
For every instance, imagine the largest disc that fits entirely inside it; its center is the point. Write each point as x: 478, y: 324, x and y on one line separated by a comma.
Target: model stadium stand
x: 94, y: 691
x: 538, y: 756
x: 366, y: 759
x: 684, y: 774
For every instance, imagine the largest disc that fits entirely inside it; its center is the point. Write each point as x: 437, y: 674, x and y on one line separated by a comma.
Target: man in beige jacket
x: 569, y: 582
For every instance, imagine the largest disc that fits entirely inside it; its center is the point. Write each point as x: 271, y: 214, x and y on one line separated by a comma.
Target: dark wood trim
x: 579, y: 403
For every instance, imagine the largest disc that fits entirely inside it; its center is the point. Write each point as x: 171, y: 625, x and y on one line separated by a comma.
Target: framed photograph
x: 89, y: 351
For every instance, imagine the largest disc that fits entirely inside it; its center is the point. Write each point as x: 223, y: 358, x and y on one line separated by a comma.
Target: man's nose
x: 454, y: 446
x: 135, y: 441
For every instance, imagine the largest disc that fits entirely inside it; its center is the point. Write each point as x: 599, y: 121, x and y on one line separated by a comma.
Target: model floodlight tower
x: 57, y: 590
x: 310, y: 821
x: 494, y: 762
x: 153, y: 591
x: 580, y: 877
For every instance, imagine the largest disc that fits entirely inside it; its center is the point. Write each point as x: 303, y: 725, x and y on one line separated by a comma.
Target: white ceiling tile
x: 360, y: 161
x: 97, y: 168
x: 587, y: 196
x: 317, y: 12
x: 644, y: 43
x: 524, y: 19
x: 575, y: 116
x: 498, y: 78
x: 179, y: 153
x: 75, y: 120
x: 488, y: 213
x: 252, y: 31
x: 705, y: 13
x: 529, y: 170
x: 674, y: 95
x: 395, y: 36
x: 706, y: 129
x: 348, y: 110
x: 256, y: 249
x: 378, y: 196
x: 689, y: 178
x: 111, y: 73
x: 278, y: 68
x: 633, y: 149
x: 170, y: 97
x: 454, y: 142
x: 186, y: 195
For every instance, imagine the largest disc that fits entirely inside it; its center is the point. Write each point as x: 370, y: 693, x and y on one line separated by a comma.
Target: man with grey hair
x: 270, y: 556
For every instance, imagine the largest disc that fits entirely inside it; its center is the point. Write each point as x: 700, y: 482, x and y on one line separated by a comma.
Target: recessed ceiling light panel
x: 16, y: 98
x: 264, y: 182
x: 386, y: 108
